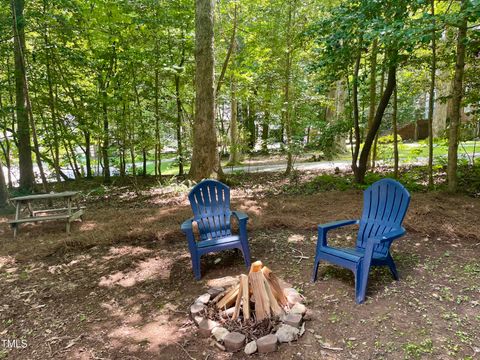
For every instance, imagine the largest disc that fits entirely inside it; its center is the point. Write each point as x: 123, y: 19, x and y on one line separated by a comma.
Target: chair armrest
x: 240, y: 215
x: 187, y: 225
x: 337, y: 224
x: 390, y: 236
x: 324, y: 228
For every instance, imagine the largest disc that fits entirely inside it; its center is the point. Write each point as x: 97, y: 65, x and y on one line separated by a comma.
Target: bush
x: 388, y: 139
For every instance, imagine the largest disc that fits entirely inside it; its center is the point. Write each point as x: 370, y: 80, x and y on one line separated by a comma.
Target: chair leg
x: 360, y: 285
x: 196, y: 266
x: 393, y: 268
x: 315, y: 269
x: 246, y: 254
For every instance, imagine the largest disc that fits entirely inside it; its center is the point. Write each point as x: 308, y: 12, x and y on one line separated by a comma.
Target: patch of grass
x: 417, y: 350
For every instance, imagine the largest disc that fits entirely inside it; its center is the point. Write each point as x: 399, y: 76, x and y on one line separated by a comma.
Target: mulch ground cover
x: 120, y: 286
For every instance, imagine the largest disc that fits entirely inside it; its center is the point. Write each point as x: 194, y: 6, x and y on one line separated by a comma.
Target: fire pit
x: 256, y: 313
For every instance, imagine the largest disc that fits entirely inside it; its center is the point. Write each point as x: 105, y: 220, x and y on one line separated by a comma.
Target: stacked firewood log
x: 260, y: 294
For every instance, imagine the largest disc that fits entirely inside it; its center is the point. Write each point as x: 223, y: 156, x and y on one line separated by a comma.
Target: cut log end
x: 260, y: 290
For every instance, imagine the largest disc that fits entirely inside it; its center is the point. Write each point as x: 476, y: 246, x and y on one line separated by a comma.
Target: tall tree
x: 457, y: 93
x: 431, y: 100
x: 205, y: 160
x: 27, y: 178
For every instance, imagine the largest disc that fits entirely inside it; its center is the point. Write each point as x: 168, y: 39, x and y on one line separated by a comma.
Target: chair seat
x: 351, y: 254
x: 218, y: 241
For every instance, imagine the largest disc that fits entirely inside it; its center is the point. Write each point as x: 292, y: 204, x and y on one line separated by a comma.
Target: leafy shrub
x: 388, y: 139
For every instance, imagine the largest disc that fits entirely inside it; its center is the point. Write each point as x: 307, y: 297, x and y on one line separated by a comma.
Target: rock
x: 196, y: 308
x: 298, y: 308
x: 203, y: 299
x: 206, y: 326
x: 287, y: 333
x: 220, y: 333
x: 267, y: 344
x: 251, y: 348
x: 293, y: 320
x: 302, y: 330
x: 197, y: 319
x: 234, y: 341
x: 219, y: 346
x: 214, y: 291
x: 293, y: 296
x: 308, y: 315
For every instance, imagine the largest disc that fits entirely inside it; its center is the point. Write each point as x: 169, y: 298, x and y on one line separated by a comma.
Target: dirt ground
x: 119, y: 287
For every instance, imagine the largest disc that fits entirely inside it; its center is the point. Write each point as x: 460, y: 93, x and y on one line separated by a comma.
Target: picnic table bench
x: 70, y: 212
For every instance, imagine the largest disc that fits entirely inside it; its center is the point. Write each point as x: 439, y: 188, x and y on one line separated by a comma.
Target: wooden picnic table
x: 70, y: 212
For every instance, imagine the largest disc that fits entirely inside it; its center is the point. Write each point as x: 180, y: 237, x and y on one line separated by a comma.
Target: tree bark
x: 179, y: 126
x: 373, y: 89
x: 356, y: 115
x: 286, y: 94
x: 51, y: 100
x: 395, y: 132
x: 234, y: 140
x: 27, y: 179
x: 431, y: 100
x: 158, y: 144
x: 205, y: 160
x: 3, y: 188
x: 372, y: 132
x: 457, y: 93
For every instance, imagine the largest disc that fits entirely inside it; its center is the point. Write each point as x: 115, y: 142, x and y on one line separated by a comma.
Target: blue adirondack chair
x: 210, y: 201
x: 385, y: 204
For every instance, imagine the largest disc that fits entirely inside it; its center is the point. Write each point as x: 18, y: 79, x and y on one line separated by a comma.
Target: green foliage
x: 328, y: 135
x: 417, y: 350
x: 388, y: 139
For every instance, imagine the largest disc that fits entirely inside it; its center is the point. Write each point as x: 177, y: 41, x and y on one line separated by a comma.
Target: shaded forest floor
x: 120, y: 286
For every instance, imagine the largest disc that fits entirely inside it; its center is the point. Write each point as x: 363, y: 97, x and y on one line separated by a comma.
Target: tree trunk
x: 286, y: 94
x: 144, y: 156
x: 234, y: 141
x: 356, y: 115
x: 88, y: 157
x: 106, y: 141
x: 27, y: 179
x: 373, y: 89
x: 51, y: 101
x: 158, y: 144
x: 265, y: 129
x: 179, y: 126
x: 372, y: 132
x: 395, y: 132
x: 457, y: 93
x: 205, y: 160
x: 251, y: 127
x: 3, y: 188
x: 431, y: 100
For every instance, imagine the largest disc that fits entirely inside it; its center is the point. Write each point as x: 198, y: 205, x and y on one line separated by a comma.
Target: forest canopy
x: 108, y: 88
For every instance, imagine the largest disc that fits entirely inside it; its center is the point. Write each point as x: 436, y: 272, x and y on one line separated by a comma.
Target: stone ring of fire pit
x: 255, y: 314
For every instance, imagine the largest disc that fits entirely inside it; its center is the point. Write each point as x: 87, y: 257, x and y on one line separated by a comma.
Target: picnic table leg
x: 17, y: 216
x: 79, y: 208
x: 30, y: 208
x: 69, y: 207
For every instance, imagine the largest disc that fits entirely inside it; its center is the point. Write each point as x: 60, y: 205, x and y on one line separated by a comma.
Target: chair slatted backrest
x: 385, y: 204
x: 210, y: 201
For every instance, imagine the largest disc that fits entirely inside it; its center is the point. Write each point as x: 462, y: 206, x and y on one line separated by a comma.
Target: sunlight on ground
x: 154, y: 267
x: 6, y: 260
x: 160, y: 331
x: 87, y: 225
x: 54, y: 269
x: 117, y: 252
x: 252, y: 207
x: 296, y: 238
